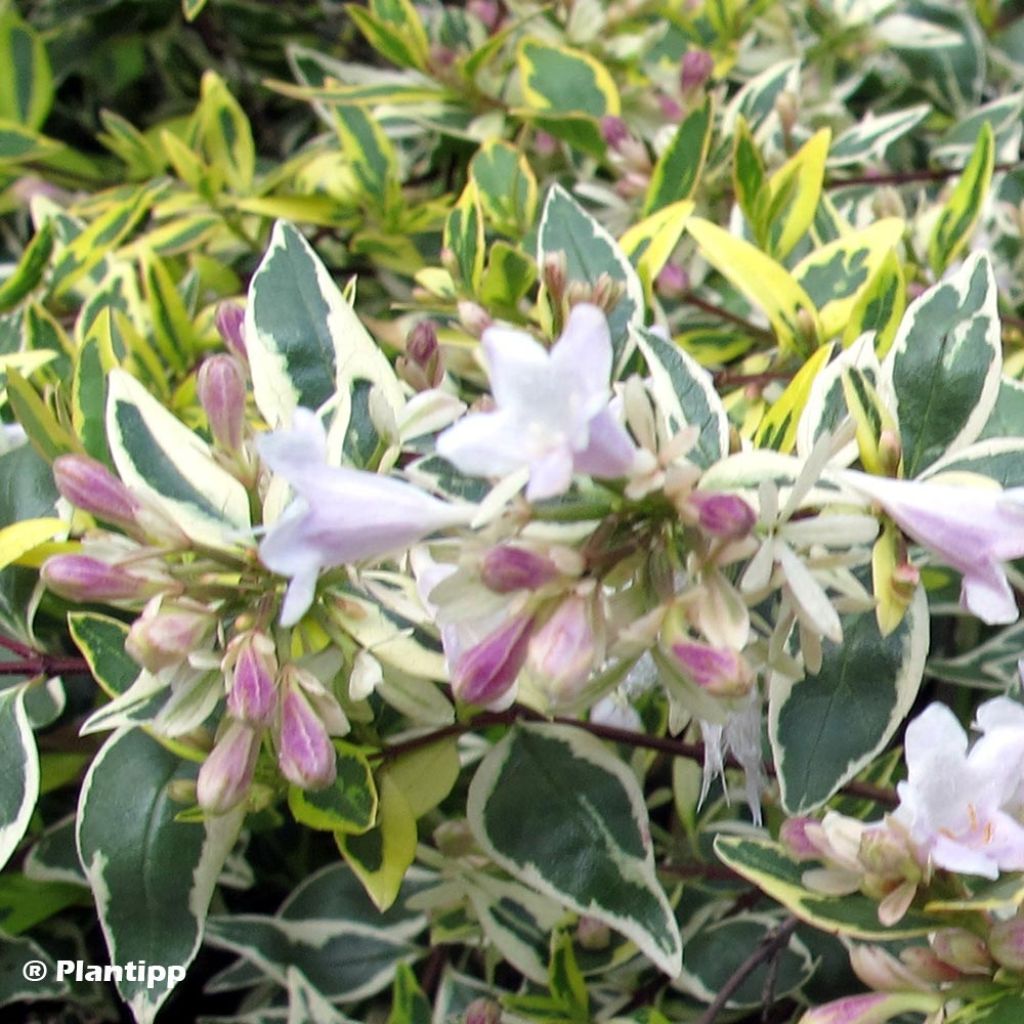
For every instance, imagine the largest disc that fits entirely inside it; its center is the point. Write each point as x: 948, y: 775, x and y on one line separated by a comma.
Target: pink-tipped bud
x: 872, y: 1008
x: 718, y: 670
x: 483, y: 1011
x: 253, y: 694
x: 474, y: 317
x: 220, y: 386
x: 544, y: 144
x: 670, y: 109
x: 507, y: 568
x: 695, y: 69
x: 722, y: 515
x: 880, y: 970
x: 81, y: 578
x: 421, y: 346
x: 226, y: 775
x: 962, y: 949
x: 305, y: 754
x: 927, y: 966
x: 563, y: 652
x: 455, y: 839
x: 487, y: 12
x: 592, y: 933
x: 90, y: 486
x: 230, y: 321
x: 1006, y: 943
x: 162, y: 637
x: 797, y: 836
x: 673, y: 282
x: 485, y: 673
x: 614, y: 131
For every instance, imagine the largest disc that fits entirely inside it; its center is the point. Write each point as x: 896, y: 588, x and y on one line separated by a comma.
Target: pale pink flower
x: 552, y: 414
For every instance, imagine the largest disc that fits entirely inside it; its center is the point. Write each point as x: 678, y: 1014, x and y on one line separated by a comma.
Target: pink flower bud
x: 487, y: 12
x: 880, y: 970
x: 165, y: 636
x: 81, y: 578
x: 507, y: 568
x: 927, y: 966
x: 544, y: 143
x: 220, y: 386
x: 230, y: 321
x: 485, y: 672
x: 670, y: 109
x: 253, y: 695
x: 962, y: 949
x: 483, y: 1011
x: 1006, y: 943
x: 798, y: 839
x: 421, y: 346
x: 90, y: 486
x: 592, y: 933
x: 304, y: 751
x: 718, y: 670
x: 673, y: 281
x: 695, y: 69
x: 722, y: 515
x: 614, y: 131
x: 226, y: 774
x: 871, y: 1008
x: 563, y: 651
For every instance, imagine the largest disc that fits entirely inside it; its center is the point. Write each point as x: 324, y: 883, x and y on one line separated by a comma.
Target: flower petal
x: 550, y: 475
x: 610, y: 451
x: 485, y: 444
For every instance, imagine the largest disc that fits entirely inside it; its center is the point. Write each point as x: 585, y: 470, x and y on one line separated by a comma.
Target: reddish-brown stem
x: 724, y: 314
x: 627, y: 737
x: 44, y: 665
x: 725, y: 379
x: 909, y: 177
x: 22, y: 650
x: 771, y: 945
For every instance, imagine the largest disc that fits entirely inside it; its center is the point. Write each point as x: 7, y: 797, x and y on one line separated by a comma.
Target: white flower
x: 972, y: 529
x: 339, y: 515
x: 552, y: 410
x: 954, y: 803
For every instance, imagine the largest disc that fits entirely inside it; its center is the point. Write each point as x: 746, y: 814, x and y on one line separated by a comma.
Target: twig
x: 771, y: 945
x: 44, y: 665
x: 660, y: 744
x: 724, y: 314
x: 909, y: 177
x: 725, y: 379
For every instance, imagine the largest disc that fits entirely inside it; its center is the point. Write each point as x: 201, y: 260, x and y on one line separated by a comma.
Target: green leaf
x: 48, y: 437
x: 509, y: 276
x: 991, y: 665
x: 959, y: 216
x: 26, y: 81
x: 506, y: 185
x: 829, y: 725
x: 393, y: 28
x: 370, y: 155
x: 944, y: 365
x: 715, y: 952
x: 349, y: 805
x: 19, y: 768
x: 748, y: 174
x: 54, y: 856
x: 879, y: 307
x: 174, y: 334
x: 686, y: 396
x: 21, y: 145
x: 93, y: 362
x: 464, y: 237
x: 29, y: 271
x: 763, y: 281
x: 868, y: 139
x: 14, y: 986
x: 408, y: 1003
x: 26, y: 902
x: 793, y: 193
x: 565, y: 227
x: 564, y: 816
x: 835, y: 275
x: 306, y: 345
x: 192, y: 8
x: 158, y: 456
x: 564, y: 80
x: 678, y: 169
x: 767, y: 865
x: 381, y: 857
x: 152, y: 877
x: 226, y: 133
x: 426, y: 775
x: 1003, y: 1008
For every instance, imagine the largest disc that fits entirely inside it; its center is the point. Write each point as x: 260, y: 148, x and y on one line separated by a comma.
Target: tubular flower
x: 339, y: 515
x: 971, y: 529
x: 552, y: 410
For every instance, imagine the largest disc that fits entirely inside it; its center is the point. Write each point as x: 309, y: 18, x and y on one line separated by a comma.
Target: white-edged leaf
x: 566, y: 817
x: 19, y: 769
x: 160, y: 458
x: 870, y: 137
x: 15, y: 952
x: 306, y: 345
x: 590, y: 251
x: 945, y: 363
x: 686, y: 395
x: 829, y: 725
x: 151, y: 876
